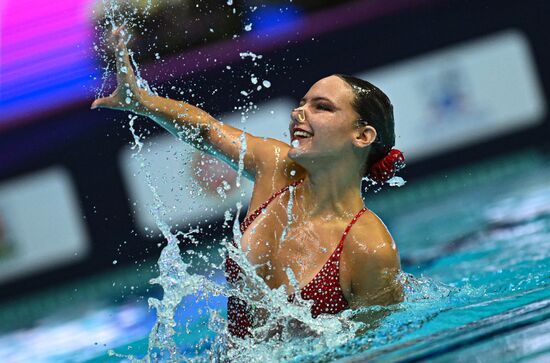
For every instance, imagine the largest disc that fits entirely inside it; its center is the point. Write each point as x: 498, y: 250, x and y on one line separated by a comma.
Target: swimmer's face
x: 323, y: 125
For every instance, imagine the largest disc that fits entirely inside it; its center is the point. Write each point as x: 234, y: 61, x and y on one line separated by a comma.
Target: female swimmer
x: 341, y: 253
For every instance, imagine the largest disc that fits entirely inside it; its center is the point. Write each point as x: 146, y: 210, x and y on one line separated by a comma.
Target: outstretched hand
x: 127, y: 95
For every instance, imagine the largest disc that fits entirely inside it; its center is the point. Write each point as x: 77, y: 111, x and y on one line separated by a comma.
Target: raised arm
x: 187, y: 122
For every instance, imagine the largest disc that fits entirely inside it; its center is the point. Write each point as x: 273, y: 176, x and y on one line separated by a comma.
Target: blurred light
x: 46, y: 56
x: 276, y: 18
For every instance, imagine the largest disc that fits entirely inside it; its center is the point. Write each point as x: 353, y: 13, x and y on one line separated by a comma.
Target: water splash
x: 250, y: 55
x: 289, y: 215
x: 242, y: 153
x: 281, y: 330
x: 396, y: 181
x: 284, y: 331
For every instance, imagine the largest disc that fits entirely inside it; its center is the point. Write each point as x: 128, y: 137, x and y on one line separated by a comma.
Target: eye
x: 324, y: 107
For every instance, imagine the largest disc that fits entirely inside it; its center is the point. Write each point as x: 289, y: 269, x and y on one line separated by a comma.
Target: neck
x: 331, y: 191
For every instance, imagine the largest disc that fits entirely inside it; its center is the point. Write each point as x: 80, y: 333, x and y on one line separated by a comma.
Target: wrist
x: 145, y: 104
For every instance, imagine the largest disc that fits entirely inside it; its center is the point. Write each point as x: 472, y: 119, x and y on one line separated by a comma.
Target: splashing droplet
x: 396, y: 181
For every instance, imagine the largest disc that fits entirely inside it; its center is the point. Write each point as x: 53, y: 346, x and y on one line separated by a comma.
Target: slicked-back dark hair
x: 374, y: 109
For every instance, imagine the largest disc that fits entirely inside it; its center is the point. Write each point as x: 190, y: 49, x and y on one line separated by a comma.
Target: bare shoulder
x: 373, y: 262
x: 370, y: 238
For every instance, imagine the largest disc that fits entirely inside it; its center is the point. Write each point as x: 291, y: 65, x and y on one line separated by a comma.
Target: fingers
x: 125, y: 71
x: 126, y: 80
x: 119, y: 30
x: 99, y: 103
x: 119, y: 33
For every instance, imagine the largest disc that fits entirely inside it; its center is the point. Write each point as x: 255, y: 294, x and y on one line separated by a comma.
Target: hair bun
x: 385, y: 168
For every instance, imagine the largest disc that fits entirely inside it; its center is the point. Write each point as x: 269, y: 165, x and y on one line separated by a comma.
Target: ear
x: 364, y: 136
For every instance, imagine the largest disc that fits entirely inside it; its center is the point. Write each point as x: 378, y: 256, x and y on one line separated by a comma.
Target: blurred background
x: 469, y: 81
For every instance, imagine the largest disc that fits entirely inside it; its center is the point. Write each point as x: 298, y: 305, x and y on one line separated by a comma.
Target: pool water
x: 475, y: 248
x: 490, y: 239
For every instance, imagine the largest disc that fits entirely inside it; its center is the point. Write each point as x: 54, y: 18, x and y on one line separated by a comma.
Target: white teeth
x: 299, y: 133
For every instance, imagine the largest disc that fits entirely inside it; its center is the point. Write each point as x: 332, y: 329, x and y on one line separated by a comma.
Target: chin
x: 294, y: 153
x: 300, y: 157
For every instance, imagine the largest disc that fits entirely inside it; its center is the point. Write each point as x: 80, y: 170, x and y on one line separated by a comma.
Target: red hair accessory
x: 385, y: 168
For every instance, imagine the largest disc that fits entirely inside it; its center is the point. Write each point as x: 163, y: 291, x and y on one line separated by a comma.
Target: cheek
x: 333, y: 134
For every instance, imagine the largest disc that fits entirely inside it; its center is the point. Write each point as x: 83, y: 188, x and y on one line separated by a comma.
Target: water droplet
x: 266, y: 83
x: 295, y: 143
x: 396, y: 181
x: 252, y: 55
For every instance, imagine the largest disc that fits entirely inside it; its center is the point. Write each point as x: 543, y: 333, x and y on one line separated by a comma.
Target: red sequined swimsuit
x: 324, y: 289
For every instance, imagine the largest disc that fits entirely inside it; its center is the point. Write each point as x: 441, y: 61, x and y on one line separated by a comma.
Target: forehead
x: 333, y: 88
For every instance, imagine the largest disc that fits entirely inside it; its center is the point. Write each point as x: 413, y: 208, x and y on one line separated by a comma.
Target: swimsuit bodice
x: 324, y: 289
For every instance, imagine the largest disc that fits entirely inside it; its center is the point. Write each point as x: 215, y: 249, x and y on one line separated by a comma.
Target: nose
x: 299, y: 114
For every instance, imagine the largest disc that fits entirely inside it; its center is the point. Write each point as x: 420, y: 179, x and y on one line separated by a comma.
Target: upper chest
x: 282, y: 227
x: 281, y: 237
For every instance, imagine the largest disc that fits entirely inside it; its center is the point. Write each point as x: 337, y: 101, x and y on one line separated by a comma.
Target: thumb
x: 104, y: 102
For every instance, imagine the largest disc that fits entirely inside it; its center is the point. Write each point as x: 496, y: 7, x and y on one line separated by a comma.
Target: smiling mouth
x: 298, y: 134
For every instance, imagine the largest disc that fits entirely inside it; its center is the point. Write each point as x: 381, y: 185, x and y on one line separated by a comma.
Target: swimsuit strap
x: 248, y: 220
x: 335, y: 256
x: 351, y: 223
